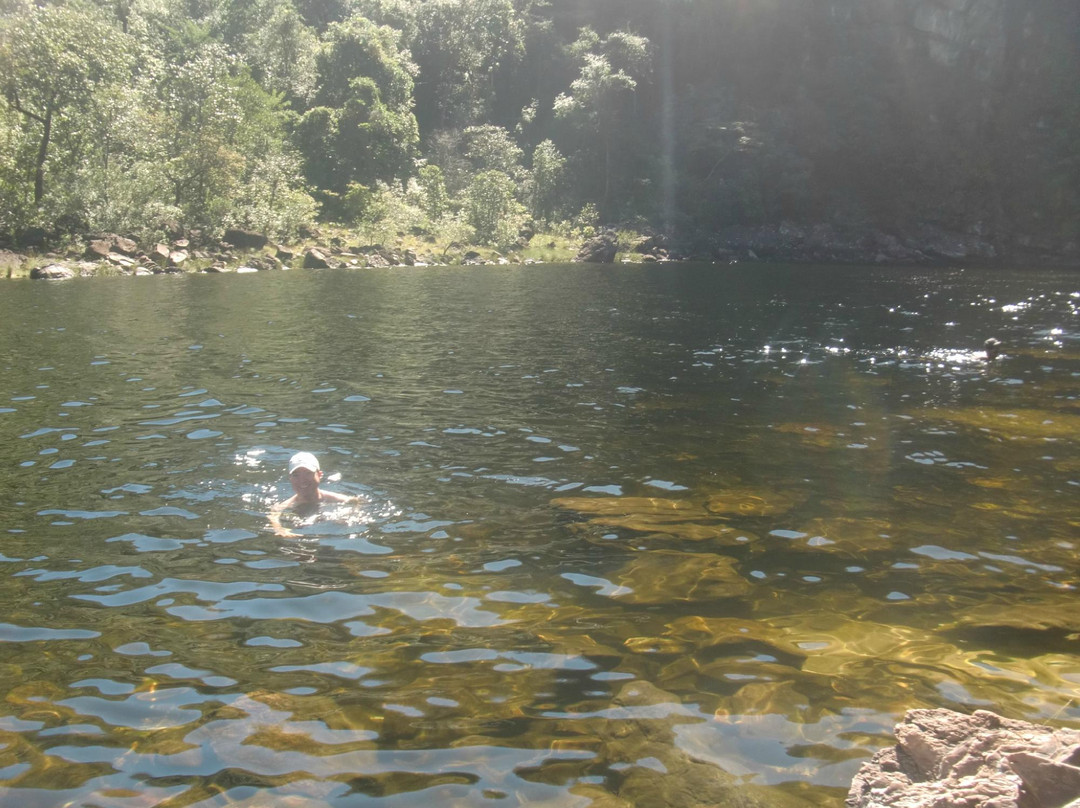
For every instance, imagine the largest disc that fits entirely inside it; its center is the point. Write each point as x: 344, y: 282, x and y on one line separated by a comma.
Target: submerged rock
x: 754, y: 502
x: 638, y: 739
x: 656, y: 516
x: 945, y: 759
x: 662, y: 576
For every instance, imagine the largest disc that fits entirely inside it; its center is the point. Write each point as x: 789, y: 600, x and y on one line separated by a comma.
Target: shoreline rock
x: 922, y: 245
x: 944, y: 759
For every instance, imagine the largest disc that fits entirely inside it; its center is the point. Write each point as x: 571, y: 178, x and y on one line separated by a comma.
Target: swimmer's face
x: 305, y: 482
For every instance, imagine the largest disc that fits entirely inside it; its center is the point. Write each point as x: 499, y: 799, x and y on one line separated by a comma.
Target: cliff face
x: 963, y: 114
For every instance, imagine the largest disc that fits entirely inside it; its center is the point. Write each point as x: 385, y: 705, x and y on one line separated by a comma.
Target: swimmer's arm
x: 333, y: 496
x: 274, y: 518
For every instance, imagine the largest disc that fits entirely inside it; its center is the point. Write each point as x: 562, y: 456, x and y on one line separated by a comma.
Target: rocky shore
x: 944, y: 759
x: 246, y: 251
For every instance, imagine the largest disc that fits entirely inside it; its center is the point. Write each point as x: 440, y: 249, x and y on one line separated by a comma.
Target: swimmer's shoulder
x: 284, y: 505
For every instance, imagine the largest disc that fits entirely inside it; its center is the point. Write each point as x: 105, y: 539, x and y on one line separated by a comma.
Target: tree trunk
x: 43, y: 153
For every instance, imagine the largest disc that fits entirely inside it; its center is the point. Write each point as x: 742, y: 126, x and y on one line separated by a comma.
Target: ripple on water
x: 708, y: 587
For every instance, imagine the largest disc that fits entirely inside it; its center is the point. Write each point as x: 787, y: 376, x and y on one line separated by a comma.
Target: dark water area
x: 633, y: 536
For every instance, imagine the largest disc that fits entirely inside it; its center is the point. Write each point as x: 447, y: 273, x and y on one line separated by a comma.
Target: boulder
x: 600, y: 249
x: 125, y: 246
x: 98, y: 249
x: 245, y: 239
x: 177, y: 258
x: 946, y: 759
x: 316, y: 259
x: 52, y: 272
x: 655, y: 245
x: 160, y: 254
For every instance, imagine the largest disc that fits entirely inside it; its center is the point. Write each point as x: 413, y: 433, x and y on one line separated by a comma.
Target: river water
x: 629, y: 536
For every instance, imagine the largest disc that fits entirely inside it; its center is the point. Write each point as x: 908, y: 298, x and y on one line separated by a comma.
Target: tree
x: 433, y: 196
x: 220, y: 145
x: 462, y: 48
x: 271, y: 37
x: 491, y: 147
x: 492, y: 209
x: 546, y: 180
x: 600, y: 101
x: 50, y: 74
x: 362, y: 129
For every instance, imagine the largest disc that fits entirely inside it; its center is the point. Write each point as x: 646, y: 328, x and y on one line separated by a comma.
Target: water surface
x: 628, y: 534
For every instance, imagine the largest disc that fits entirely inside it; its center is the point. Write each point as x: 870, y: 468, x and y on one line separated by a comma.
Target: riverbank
x: 246, y: 251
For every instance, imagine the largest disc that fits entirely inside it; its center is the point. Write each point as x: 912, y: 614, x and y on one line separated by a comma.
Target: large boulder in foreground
x: 944, y: 759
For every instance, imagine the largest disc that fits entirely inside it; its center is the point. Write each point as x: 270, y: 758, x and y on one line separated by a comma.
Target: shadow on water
x: 639, y: 536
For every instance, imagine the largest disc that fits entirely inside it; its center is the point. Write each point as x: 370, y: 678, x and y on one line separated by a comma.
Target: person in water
x: 304, y: 476
x: 993, y: 348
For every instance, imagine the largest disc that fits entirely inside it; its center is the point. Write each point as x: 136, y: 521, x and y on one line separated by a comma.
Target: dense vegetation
x: 477, y: 120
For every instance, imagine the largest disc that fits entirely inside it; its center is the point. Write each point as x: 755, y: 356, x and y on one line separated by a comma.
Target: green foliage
x: 50, y: 77
x: 125, y: 114
x: 358, y: 202
x: 434, y: 199
x: 16, y: 192
x: 489, y: 147
x: 600, y: 108
x: 363, y: 130
x: 452, y: 228
x: 492, y: 209
x: 281, y: 52
x: 358, y: 48
x: 388, y: 213
x: 270, y: 199
x: 546, y: 180
x: 462, y: 47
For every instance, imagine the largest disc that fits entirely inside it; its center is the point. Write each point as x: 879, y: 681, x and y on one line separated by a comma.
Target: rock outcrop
x: 52, y: 272
x: 944, y: 759
x: 316, y: 259
x: 832, y: 244
x: 600, y: 249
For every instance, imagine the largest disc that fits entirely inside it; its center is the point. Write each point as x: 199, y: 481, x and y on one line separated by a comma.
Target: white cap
x: 303, y: 460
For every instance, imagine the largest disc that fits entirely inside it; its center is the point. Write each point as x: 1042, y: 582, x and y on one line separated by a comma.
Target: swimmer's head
x: 304, y: 476
x: 304, y: 460
x: 993, y: 348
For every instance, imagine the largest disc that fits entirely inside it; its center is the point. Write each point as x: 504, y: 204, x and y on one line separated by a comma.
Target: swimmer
x: 993, y: 348
x: 304, y: 475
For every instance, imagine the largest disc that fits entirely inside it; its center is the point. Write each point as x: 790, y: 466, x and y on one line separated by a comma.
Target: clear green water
x: 656, y: 537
